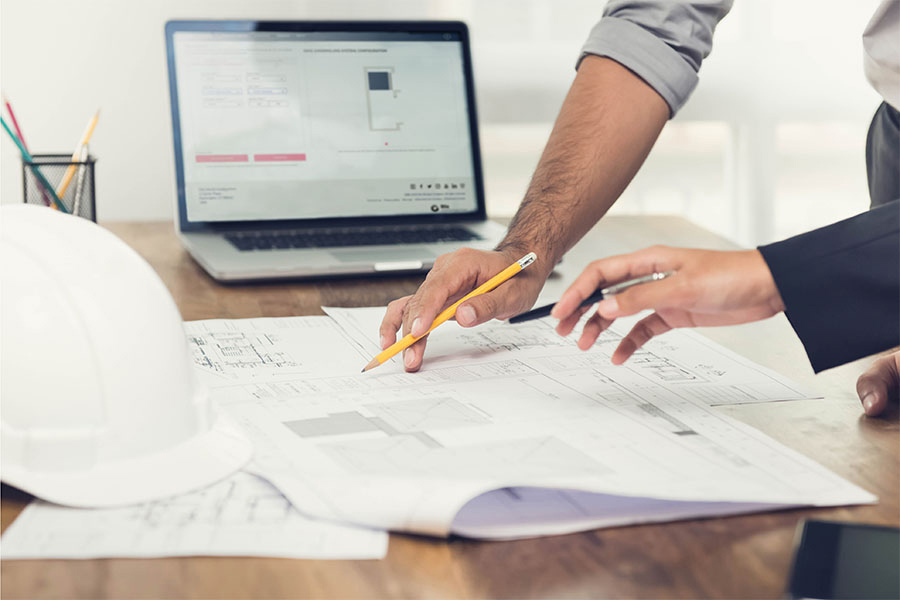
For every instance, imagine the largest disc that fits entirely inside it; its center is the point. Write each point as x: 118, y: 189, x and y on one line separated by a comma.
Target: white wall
x: 770, y: 144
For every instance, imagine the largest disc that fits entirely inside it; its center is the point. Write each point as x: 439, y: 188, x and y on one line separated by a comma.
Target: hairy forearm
x: 605, y: 129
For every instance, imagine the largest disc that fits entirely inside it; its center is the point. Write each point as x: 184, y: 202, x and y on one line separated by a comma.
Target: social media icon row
x: 437, y: 186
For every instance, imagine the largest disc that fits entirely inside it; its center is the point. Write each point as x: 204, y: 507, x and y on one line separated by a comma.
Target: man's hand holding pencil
x: 454, y: 276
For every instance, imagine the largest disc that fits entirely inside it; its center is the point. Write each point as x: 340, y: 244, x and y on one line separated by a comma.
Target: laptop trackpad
x: 382, y: 255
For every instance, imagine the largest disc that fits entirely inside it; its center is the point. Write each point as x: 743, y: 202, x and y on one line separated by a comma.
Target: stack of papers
x: 240, y: 516
x: 508, y: 431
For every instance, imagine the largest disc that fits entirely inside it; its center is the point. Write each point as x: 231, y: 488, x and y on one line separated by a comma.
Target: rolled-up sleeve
x: 662, y: 42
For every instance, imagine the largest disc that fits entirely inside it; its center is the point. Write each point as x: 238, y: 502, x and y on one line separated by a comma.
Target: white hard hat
x: 99, y: 402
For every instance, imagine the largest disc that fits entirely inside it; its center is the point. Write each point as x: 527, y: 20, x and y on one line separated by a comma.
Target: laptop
x: 317, y: 149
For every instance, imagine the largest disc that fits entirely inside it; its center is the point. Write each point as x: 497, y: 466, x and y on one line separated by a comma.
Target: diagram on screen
x: 382, y: 99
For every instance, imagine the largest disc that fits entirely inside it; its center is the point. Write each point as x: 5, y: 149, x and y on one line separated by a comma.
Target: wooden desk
x: 736, y: 557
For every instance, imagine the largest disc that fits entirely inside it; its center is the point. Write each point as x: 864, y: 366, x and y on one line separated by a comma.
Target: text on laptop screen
x: 304, y: 125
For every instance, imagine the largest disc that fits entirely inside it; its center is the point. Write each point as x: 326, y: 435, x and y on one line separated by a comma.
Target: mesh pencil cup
x: 79, y: 195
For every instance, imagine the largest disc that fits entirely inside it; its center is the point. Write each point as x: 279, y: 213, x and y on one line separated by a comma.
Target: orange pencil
x: 70, y: 172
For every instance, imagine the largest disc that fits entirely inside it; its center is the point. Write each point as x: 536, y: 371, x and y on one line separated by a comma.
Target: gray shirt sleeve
x: 662, y: 42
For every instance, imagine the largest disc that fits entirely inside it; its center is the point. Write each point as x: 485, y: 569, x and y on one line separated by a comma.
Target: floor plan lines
x: 661, y: 368
x: 391, y: 418
x: 408, y: 456
x: 512, y: 337
x: 223, y: 352
x: 428, y: 413
x: 501, y: 406
x: 242, y: 515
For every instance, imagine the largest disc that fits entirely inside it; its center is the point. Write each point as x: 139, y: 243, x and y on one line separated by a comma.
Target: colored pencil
x: 448, y: 313
x: 15, y: 122
x: 37, y: 172
x: 70, y: 172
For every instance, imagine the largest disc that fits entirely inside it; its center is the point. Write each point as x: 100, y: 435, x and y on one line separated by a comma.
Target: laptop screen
x: 322, y: 124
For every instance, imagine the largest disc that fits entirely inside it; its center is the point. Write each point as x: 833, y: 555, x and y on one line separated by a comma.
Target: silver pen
x: 621, y: 287
x: 597, y: 296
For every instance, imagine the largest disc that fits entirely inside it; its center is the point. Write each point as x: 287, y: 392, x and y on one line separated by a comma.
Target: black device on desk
x: 845, y: 560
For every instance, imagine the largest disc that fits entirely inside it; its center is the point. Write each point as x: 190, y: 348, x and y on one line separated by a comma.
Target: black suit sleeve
x: 841, y: 286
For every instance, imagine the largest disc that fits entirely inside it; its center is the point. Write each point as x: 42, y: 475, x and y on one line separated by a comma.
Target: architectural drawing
x: 240, y: 516
x: 502, y: 407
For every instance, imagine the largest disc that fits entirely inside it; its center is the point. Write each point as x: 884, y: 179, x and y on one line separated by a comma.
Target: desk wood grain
x: 735, y: 557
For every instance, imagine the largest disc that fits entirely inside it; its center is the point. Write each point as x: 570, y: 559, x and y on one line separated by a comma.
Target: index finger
x: 392, y: 321
x: 615, y: 269
x: 433, y: 296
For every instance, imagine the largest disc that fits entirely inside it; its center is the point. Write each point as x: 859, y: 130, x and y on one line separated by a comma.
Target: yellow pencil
x: 448, y: 313
x: 76, y: 156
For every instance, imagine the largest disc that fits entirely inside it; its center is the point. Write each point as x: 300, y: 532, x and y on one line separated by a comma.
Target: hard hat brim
x: 194, y: 464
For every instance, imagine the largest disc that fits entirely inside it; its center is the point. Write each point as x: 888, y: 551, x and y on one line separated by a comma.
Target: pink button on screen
x: 279, y: 157
x: 219, y: 158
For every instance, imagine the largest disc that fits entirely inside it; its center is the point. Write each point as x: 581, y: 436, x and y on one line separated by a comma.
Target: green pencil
x: 37, y: 172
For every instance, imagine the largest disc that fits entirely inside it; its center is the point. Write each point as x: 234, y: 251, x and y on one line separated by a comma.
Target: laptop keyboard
x: 345, y: 237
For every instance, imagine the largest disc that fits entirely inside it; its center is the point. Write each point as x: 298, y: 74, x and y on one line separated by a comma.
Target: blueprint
x: 508, y: 430
x: 268, y: 349
x: 240, y: 516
